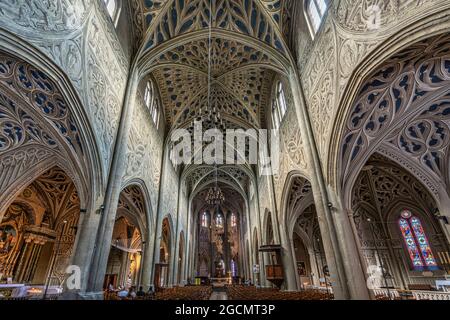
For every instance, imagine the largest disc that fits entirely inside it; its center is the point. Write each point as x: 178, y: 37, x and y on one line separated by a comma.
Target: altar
x: 27, y: 292
x: 220, y: 282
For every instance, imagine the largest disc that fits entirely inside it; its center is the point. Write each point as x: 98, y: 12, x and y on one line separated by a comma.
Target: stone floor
x: 219, y: 294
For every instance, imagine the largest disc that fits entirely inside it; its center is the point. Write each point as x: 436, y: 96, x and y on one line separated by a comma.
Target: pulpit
x: 274, y: 271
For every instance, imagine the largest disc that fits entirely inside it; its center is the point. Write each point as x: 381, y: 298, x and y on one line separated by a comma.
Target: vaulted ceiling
x: 176, y: 43
x: 241, y: 47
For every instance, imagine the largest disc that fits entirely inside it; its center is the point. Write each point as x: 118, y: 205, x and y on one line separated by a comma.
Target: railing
x: 431, y: 295
x: 413, y: 294
x: 384, y: 292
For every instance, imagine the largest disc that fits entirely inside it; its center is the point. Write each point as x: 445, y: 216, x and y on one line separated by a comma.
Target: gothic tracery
x: 359, y: 101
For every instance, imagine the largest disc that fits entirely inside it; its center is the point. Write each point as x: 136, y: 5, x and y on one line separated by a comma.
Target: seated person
x: 140, y: 293
x: 132, y: 293
x: 123, y: 293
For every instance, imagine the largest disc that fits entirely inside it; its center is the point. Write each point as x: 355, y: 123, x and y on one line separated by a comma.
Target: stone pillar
x: 290, y: 280
x: 358, y: 246
x: 192, y: 257
x: 352, y: 260
x: 189, y: 254
x: 85, y: 244
x: 104, y: 235
x: 342, y: 259
x: 123, y: 271
x: 314, y: 267
x: 147, y: 262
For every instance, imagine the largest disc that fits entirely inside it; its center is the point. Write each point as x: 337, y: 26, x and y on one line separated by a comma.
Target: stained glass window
x: 419, y: 249
x: 233, y: 220
x: 219, y: 221
x: 204, y: 220
x: 233, y: 268
x: 421, y: 238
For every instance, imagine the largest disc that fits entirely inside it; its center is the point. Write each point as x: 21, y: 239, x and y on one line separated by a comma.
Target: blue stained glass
x: 413, y: 251
x: 422, y: 240
x: 417, y: 242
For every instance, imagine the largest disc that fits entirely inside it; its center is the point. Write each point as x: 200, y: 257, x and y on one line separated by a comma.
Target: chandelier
x: 215, y: 196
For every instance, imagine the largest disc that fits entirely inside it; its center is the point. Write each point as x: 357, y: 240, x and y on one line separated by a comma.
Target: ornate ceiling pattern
x: 151, y: 9
x: 405, y: 103
x: 309, y: 222
x: 250, y: 85
x: 300, y: 190
x: 233, y: 199
x: 240, y: 81
x: 133, y: 195
x: 132, y: 200
x: 224, y: 102
x: 61, y: 197
x: 40, y: 92
x: 241, y: 73
x: 226, y: 55
x: 383, y: 184
x: 244, y: 17
x: 177, y: 87
x: 233, y: 175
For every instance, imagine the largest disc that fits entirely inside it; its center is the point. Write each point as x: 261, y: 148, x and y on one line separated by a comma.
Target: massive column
x: 85, y: 244
x: 147, y: 259
x: 105, y: 230
x: 340, y: 248
x: 288, y: 261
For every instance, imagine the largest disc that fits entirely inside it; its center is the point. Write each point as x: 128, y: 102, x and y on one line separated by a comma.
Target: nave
x: 203, y: 149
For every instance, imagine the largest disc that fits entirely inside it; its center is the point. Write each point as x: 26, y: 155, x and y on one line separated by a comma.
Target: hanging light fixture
x: 215, y: 196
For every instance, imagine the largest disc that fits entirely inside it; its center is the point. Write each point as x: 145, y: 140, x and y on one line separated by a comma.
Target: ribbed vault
x: 214, y: 54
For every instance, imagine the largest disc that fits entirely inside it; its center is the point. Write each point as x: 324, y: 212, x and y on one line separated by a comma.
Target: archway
x: 310, y: 258
x: 219, y: 225
x: 302, y: 259
x: 395, y: 135
x: 38, y: 231
x: 44, y: 126
x: 124, y: 260
x: 401, y: 111
x: 124, y: 266
x: 400, y: 238
x: 165, y: 255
